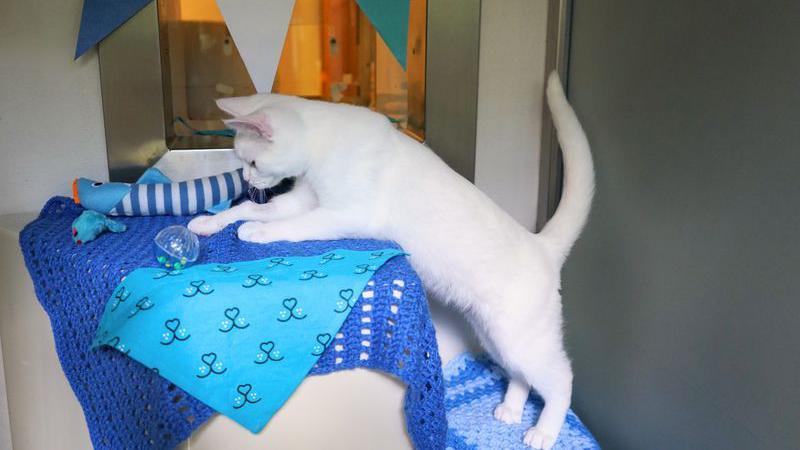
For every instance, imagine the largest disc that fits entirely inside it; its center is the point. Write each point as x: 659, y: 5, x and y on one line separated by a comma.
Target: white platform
x: 346, y: 410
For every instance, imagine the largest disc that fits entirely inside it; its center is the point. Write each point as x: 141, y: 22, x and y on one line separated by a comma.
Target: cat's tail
x: 563, y: 229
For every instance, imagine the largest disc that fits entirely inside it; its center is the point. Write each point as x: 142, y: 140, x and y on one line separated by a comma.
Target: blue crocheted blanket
x: 389, y: 330
x: 474, y: 386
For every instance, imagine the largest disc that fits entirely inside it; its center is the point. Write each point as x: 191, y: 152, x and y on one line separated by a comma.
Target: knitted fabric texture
x: 474, y: 386
x: 390, y: 330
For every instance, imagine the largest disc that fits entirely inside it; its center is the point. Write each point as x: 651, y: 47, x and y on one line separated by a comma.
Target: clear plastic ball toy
x: 176, y: 247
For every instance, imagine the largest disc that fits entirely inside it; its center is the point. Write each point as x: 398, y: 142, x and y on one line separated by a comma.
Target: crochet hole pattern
x: 388, y: 329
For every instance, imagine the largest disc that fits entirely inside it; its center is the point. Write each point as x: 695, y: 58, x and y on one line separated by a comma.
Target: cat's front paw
x: 538, y: 439
x: 205, y: 225
x: 253, y: 232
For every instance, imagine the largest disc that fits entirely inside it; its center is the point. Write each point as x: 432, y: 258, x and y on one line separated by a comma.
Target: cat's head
x: 270, y: 138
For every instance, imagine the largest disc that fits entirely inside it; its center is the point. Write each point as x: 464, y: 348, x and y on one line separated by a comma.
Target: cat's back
x: 424, y: 184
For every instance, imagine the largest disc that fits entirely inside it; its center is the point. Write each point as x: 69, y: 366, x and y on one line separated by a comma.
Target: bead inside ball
x: 176, y: 247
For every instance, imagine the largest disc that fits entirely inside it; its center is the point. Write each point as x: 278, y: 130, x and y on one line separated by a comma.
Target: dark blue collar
x: 262, y: 196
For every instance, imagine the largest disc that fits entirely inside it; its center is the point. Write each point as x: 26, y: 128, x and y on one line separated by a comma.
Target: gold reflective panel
x: 331, y: 52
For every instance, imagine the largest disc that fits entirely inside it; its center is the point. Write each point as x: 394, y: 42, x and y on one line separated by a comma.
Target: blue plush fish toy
x: 155, y: 194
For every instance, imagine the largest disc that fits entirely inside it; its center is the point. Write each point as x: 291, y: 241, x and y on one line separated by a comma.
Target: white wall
x: 510, y: 92
x: 5, y: 424
x: 51, y: 118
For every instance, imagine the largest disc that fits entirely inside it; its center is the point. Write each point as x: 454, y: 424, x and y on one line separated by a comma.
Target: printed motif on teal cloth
x: 240, y: 336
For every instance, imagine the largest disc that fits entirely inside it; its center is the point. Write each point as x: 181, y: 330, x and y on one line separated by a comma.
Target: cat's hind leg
x: 510, y: 410
x: 530, y: 347
x: 551, y: 377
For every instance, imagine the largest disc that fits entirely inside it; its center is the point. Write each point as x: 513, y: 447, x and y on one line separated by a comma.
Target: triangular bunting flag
x: 259, y: 29
x: 101, y: 17
x: 390, y: 19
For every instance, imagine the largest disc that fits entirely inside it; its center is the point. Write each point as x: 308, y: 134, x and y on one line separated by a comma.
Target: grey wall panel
x: 133, y: 100
x: 451, y: 91
x: 682, y: 299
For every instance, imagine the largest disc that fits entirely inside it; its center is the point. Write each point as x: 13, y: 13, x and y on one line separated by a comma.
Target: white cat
x: 357, y: 176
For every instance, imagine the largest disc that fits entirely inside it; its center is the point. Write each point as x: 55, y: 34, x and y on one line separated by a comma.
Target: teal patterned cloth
x: 241, y: 336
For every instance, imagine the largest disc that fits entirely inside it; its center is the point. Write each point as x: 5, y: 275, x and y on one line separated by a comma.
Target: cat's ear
x: 241, y: 106
x: 258, y: 122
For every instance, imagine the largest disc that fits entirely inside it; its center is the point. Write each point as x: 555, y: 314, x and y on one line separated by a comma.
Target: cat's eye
x: 253, y: 164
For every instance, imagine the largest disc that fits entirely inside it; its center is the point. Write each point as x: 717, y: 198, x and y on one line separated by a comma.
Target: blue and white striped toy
x: 154, y: 194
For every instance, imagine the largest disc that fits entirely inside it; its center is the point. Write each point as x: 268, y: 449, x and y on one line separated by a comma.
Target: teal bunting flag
x: 390, y: 19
